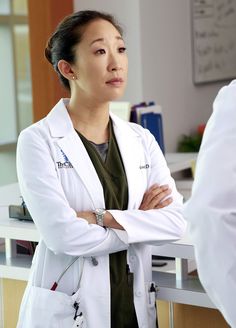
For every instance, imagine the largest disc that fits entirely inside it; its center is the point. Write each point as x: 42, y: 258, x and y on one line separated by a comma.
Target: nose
x: 114, y: 63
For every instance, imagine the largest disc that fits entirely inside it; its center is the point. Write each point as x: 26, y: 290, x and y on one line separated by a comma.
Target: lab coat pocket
x: 52, y: 309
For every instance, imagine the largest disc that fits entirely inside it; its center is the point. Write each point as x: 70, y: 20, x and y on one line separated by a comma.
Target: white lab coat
x: 211, y: 210
x: 57, y: 178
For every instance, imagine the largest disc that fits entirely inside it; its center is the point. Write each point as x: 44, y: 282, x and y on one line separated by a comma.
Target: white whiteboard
x: 214, y: 40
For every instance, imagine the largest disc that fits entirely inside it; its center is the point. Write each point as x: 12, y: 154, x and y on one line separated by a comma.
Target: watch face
x: 100, y: 211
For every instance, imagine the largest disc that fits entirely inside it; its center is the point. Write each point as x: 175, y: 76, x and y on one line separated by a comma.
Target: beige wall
x: 12, y: 294
x: 188, y: 316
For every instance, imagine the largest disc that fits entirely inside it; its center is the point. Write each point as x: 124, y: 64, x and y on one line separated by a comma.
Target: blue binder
x: 153, y: 122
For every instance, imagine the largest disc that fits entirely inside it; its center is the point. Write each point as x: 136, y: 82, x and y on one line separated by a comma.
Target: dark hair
x: 69, y: 33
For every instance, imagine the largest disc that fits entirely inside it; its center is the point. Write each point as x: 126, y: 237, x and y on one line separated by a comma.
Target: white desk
x: 180, y: 161
x: 14, y: 266
x: 179, y: 286
x: 15, y: 229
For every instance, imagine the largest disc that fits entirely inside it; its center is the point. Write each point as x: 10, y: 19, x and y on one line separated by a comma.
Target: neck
x: 90, y: 119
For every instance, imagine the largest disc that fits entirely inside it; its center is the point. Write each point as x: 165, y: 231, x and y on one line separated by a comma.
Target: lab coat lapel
x: 74, y: 149
x: 62, y: 130
x: 131, y: 151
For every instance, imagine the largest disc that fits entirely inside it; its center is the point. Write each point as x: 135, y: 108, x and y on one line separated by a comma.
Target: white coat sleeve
x: 211, y: 211
x: 157, y: 226
x: 60, y: 228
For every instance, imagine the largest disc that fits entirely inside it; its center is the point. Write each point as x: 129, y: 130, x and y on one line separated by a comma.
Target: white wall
x: 7, y: 167
x: 159, y: 44
x: 167, y: 68
x: 127, y: 14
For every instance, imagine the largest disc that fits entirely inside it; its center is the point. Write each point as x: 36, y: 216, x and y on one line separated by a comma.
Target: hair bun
x: 48, y: 52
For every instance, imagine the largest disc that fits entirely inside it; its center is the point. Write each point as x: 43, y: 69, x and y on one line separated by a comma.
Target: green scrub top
x: 107, y: 161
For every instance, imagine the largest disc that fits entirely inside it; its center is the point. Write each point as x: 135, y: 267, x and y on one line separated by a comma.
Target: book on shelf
x: 134, y: 112
x: 150, y: 117
x: 153, y: 122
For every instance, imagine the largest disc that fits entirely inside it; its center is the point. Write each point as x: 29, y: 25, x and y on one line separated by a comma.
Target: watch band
x: 100, y: 212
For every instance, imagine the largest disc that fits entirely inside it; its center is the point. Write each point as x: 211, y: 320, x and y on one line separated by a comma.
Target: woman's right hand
x: 156, y: 197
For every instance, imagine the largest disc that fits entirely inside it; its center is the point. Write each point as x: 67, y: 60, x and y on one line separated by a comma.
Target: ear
x: 66, y: 70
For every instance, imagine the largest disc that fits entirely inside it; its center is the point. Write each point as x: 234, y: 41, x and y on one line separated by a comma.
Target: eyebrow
x: 102, y: 40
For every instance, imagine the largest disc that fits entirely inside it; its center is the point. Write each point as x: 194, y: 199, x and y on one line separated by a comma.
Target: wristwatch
x: 100, y: 212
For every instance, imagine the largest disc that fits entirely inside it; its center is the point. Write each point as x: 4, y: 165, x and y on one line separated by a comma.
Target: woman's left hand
x: 156, y: 197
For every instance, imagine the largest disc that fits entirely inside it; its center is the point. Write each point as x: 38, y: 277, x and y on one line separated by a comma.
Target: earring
x: 73, y: 77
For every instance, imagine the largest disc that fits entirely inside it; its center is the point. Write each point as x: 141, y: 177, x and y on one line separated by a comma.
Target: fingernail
x: 164, y: 186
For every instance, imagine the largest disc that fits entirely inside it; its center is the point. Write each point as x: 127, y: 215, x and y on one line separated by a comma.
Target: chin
x: 116, y: 98
x: 116, y: 95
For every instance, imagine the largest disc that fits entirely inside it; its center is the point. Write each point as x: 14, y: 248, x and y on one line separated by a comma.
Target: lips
x: 117, y: 81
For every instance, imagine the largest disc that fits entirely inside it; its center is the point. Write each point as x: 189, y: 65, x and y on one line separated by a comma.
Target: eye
x: 100, y: 52
x: 122, y: 49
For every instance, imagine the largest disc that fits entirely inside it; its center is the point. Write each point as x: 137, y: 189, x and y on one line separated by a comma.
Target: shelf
x: 170, y: 267
x: 15, y: 229
x: 15, y: 267
x: 180, y: 161
x: 180, y: 249
x: 188, y: 291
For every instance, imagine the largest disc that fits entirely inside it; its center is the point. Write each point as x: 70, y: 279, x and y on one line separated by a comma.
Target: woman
x: 97, y: 188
